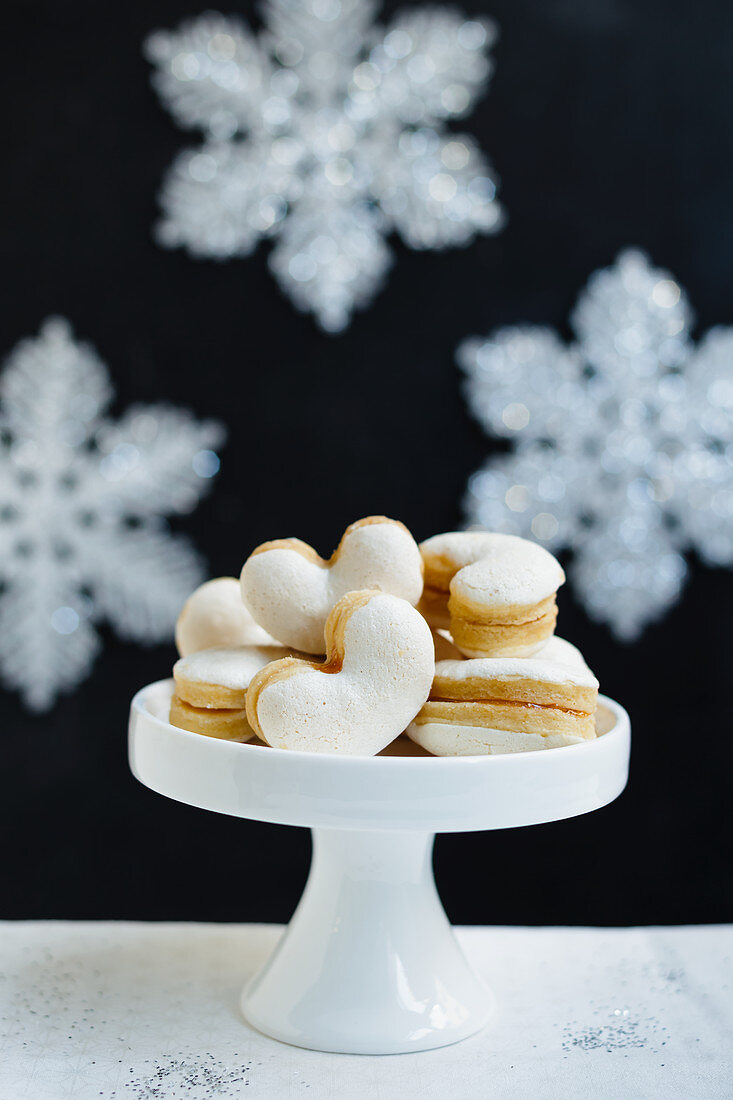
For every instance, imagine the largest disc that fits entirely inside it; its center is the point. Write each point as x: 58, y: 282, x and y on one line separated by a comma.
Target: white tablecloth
x: 124, y: 1011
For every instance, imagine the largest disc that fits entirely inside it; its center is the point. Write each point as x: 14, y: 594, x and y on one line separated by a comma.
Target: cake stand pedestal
x: 369, y: 963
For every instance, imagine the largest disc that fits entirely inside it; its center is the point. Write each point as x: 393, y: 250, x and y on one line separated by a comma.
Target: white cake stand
x: 369, y: 963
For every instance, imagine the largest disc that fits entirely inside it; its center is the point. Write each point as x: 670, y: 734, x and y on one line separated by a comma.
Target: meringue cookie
x: 377, y: 675
x: 219, y: 677
x: 495, y: 705
x: 211, y: 689
x: 290, y: 590
x: 214, y: 615
x: 497, y: 592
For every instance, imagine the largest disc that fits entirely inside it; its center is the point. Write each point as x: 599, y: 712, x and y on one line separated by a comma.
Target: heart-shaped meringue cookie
x: 290, y: 590
x: 377, y: 675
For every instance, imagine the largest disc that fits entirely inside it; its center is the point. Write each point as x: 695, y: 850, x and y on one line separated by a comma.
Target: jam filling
x: 509, y: 703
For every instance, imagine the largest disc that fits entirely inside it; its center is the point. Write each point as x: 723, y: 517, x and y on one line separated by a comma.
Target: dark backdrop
x: 609, y: 122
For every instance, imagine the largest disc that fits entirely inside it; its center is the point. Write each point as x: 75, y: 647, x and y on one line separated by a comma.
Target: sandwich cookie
x: 497, y: 591
x: 226, y: 725
x: 443, y: 555
x: 492, y: 705
x: 214, y: 615
x: 377, y: 674
x: 211, y: 689
x: 290, y: 590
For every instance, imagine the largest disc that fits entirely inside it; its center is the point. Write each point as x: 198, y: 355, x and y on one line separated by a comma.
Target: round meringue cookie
x: 493, y: 705
x: 497, y: 591
x: 219, y: 677
x: 214, y: 615
x: 291, y: 590
x: 211, y: 689
x: 443, y: 555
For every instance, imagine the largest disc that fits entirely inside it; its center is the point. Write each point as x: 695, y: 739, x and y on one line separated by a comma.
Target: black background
x: 609, y: 123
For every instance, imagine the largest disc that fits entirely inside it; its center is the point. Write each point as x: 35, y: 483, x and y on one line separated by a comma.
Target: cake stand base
x: 369, y: 963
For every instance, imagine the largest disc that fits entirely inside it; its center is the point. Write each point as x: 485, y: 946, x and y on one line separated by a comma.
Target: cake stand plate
x: 369, y: 963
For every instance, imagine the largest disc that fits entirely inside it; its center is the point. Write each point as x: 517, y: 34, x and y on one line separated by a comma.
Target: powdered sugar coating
x: 510, y: 572
x: 521, y: 668
x: 214, y: 615
x: 385, y: 678
x: 291, y: 594
x: 227, y: 667
x: 460, y: 548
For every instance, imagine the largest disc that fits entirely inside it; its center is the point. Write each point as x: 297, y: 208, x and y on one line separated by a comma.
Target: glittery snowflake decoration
x: 623, y: 441
x: 327, y: 134
x: 81, y: 501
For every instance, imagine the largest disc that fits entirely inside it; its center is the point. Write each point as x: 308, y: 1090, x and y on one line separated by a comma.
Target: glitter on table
x: 125, y: 1011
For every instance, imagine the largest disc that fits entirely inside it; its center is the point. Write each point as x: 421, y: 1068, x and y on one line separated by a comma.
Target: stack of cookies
x: 451, y: 642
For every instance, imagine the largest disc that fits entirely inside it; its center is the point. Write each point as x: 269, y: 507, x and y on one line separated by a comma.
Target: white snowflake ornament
x: 81, y: 504
x: 327, y: 134
x: 623, y: 441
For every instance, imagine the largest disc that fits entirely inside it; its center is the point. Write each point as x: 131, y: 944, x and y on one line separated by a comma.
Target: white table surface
x: 127, y: 1011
